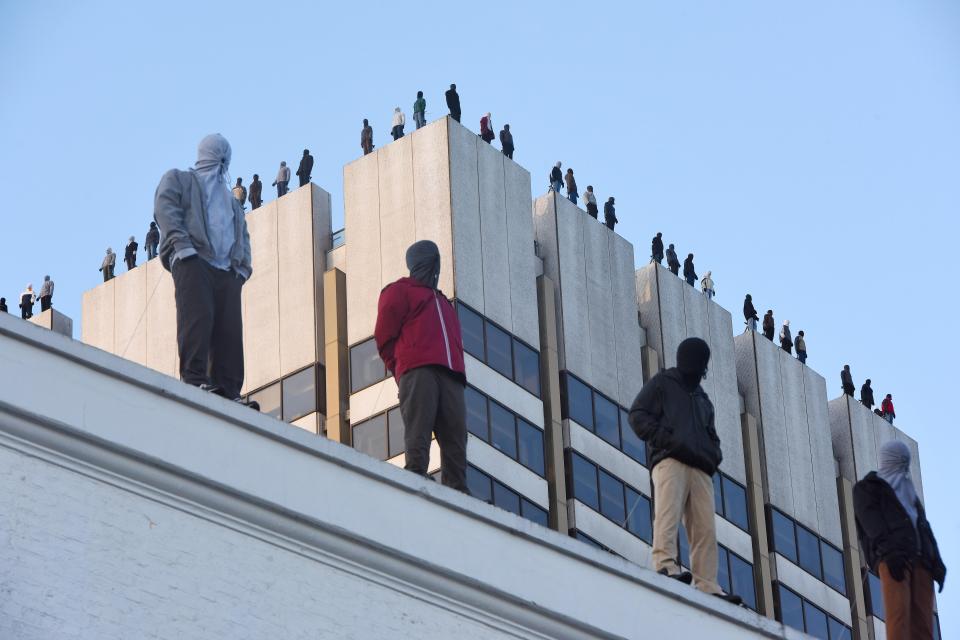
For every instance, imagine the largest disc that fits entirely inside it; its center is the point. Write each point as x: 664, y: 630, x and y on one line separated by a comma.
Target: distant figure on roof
x: 506, y: 141
x: 240, y: 192
x: 786, y: 338
x: 108, y: 264
x: 556, y: 178
x: 27, y: 300
x: 572, y: 193
x: 453, y: 102
x: 420, y: 110
x: 305, y: 170
x: 486, y: 128
x: 419, y: 340
x: 866, y: 394
x: 887, y: 407
x: 610, y: 213
x: 656, y: 248
x: 152, y: 241
x: 707, y: 286
x: 590, y: 199
x: 282, y: 180
x: 689, y: 272
x: 130, y: 253
x: 46, y: 294
x: 846, y: 381
x: 256, y: 192
x: 3, y: 306
x: 768, y: 325
x: 749, y: 314
x: 366, y: 137
x: 398, y: 121
x: 673, y: 262
x: 801, y: 346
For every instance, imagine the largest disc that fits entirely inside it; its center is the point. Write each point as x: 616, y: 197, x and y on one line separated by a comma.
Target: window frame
x: 350, y: 367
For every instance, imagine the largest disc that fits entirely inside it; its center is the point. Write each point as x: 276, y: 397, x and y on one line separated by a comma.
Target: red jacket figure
x: 887, y: 406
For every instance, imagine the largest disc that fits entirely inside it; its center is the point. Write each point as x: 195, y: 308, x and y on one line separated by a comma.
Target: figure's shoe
x: 684, y: 576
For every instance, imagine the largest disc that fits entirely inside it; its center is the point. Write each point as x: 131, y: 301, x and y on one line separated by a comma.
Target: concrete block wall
x: 54, y: 321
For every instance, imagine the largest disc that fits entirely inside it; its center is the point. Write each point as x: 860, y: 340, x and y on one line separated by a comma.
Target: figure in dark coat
x: 673, y: 262
x: 866, y: 394
x: 506, y: 141
x: 768, y: 325
x: 610, y: 213
x: 366, y: 137
x: 453, y: 102
x: 130, y: 253
x: 3, y: 306
x: 750, y: 314
x: 256, y: 192
x: 689, y: 272
x: 846, y: 381
x: 306, y: 167
x: 656, y: 248
x: 152, y: 241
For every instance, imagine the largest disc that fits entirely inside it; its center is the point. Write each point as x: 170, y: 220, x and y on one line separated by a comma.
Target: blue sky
x: 806, y: 153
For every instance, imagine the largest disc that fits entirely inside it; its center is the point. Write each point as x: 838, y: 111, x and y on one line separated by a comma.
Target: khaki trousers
x: 682, y: 491
x: 908, y: 605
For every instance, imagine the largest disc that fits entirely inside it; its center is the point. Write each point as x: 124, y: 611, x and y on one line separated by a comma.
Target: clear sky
x: 806, y: 153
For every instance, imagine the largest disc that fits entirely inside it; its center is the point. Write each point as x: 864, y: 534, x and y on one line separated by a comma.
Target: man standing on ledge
x: 305, y: 169
x: 418, y: 337
x: 675, y: 417
x: 206, y: 248
x: 453, y: 102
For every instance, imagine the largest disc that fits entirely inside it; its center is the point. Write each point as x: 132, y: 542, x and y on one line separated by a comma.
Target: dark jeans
x: 45, y: 303
x: 431, y: 402
x: 281, y: 188
x: 304, y: 180
x: 151, y: 251
x: 26, y: 312
x: 107, y: 273
x: 255, y: 203
x: 768, y: 334
x: 674, y: 268
x: 592, y: 209
x: 802, y: 356
x: 397, y: 132
x: 508, y: 152
x: 610, y: 224
x: 209, y: 325
x: 455, y: 115
x: 131, y: 263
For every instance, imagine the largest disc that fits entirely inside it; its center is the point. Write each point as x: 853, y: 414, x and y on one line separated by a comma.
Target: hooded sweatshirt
x: 707, y: 281
x: 894, y: 468
x: 398, y: 119
x: 213, y: 160
x: 109, y: 260
x: 46, y: 289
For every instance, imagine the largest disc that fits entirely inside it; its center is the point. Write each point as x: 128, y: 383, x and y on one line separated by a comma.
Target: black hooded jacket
x: 656, y: 248
x: 688, y: 269
x: 676, y: 423
x: 866, y: 395
x: 885, y: 530
x: 748, y: 310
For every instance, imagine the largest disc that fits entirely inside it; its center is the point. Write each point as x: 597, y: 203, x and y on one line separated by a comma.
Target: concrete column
x: 335, y: 350
x: 851, y: 562
x: 762, y: 562
x: 550, y: 390
x: 55, y: 321
x: 650, y: 362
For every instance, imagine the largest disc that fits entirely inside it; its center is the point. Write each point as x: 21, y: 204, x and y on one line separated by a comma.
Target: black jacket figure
x: 846, y: 381
x: 130, y: 254
x: 306, y: 167
x: 673, y: 414
x: 255, y: 195
x: 610, y: 213
x: 866, y: 394
x: 749, y: 312
x: 506, y: 141
x: 656, y: 248
x: 556, y: 175
x: 3, y: 306
x: 689, y: 271
x: 152, y: 241
x: 672, y: 261
x: 768, y: 325
x: 786, y: 340
x: 453, y: 102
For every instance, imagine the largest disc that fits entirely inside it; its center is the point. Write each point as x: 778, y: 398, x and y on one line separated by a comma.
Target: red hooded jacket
x: 417, y: 327
x: 887, y: 407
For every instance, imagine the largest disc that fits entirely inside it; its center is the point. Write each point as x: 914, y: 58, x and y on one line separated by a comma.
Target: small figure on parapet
x: 366, y: 137
x: 398, y: 122
x: 887, y: 408
x: 846, y: 381
x: 866, y: 395
x: 453, y: 102
x: 152, y: 241
x: 46, y: 294
x: 571, y: 182
x: 749, y: 314
x: 556, y: 178
x: 108, y: 264
x: 130, y: 253
x: 506, y: 141
x: 419, y: 340
x: 27, y: 299
x: 256, y: 192
x: 673, y: 262
x: 282, y: 180
x: 240, y: 192
x: 420, y: 110
x: 786, y: 339
x: 801, y: 346
x: 656, y: 248
x: 610, y: 213
x: 486, y: 128
x: 590, y: 199
x: 707, y: 286
x: 3, y: 306
x: 305, y: 170
x: 689, y: 271
x: 768, y: 325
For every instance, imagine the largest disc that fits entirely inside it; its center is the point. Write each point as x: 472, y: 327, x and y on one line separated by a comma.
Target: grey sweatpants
x: 431, y: 402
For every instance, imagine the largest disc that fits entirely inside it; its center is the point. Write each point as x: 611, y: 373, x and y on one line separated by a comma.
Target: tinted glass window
x: 630, y: 444
x: 784, y: 541
x: 808, y: 550
x: 370, y: 437
x: 639, y: 521
x: 606, y: 417
x: 683, y: 547
x: 717, y: 494
x: 840, y: 631
x: 816, y: 621
x: 723, y: 569
x: 530, y: 446
x: 395, y: 431
x: 471, y: 328
x: 791, y: 608
x: 611, y: 497
x: 479, y: 484
x: 366, y: 367
x: 579, y: 402
x: 477, y: 413
x: 585, y: 482
x: 503, y: 430
x: 269, y: 399
x: 506, y: 498
x: 526, y: 367
x: 299, y: 394
x: 532, y: 512
x: 499, y: 354
x: 833, y: 567
x: 735, y: 504
x: 876, y: 596
x: 741, y: 581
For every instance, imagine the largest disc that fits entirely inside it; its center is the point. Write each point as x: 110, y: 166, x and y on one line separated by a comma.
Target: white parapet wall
x: 55, y: 321
x: 134, y: 505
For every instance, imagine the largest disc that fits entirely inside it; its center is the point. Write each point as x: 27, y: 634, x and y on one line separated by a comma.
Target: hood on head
x: 423, y: 261
x: 693, y: 355
x: 894, y: 457
x: 213, y: 152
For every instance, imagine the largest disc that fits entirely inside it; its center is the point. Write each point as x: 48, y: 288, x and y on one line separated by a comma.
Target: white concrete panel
x: 812, y: 589
x: 726, y: 401
x: 261, y: 294
x: 523, y: 261
x: 130, y: 303
x: 321, y: 209
x: 673, y: 324
x: 734, y: 538
x: 821, y: 453
x: 431, y: 195
x: 375, y: 399
x: 798, y: 441
x: 596, y: 260
x: 465, y: 213
x: 397, y: 226
x: 648, y: 303
x: 297, y: 290
x: 309, y: 423
x: 161, y: 320
x: 511, y: 473
x: 337, y: 258
x: 361, y: 207
x: 97, y: 317
x: 628, y: 337
x: 841, y: 436
x: 610, y: 535
x: 493, y: 237
x: 611, y: 459
x: 545, y: 232
x: 697, y: 322
x: 504, y: 391
x: 573, y: 289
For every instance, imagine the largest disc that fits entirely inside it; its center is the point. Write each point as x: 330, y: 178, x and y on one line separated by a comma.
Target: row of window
x: 600, y: 415
x: 380, y: 436
x: 610, y: 496
x: 505, y: 431
x: 805, y: 548
x: 734, y: 573
x: 294, y: 396
x: 875, y: 606
x: 730, y: 500
x: 796, y: 611
x: 339, y: 238
x: 366, y: 367
x: 499, y: 350
x: 483, y: 487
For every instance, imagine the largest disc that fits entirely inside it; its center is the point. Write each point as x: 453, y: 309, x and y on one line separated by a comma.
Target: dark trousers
x: 397, y: 132
x: 592, y: 209
x: 151, y: 251
x: 45, y: 302
x: 431, y: 402
x: 768, y: 334
x: 508, y: 151
x: 658, y: 258
x: 131, y: 262
x: 908, y: 604
x: 610, y: 224
x: 304, y: 180
x: 674, y: 268
x: 209, y: 325
x: 26, y: 311
x: 255, y: 203
x: 281, y: 188
x: 802, y: 356
x: 107, y: 273
x: 455, y: 115
x: 848, y: 390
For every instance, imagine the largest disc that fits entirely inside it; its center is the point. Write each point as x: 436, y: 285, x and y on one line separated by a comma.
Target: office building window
x: 630, y: 444
x: 499, y: 350
x: 370, y: 437
x: 723, y: 568
x: 833, y: 566
x: 471, y: 329
x: 816, y: 620
x: 840, y: 631
x: 717, y: 494
x: 683, y: 546
x: 735, y: 503
x: 479, y: 484
x: 784, y: 536
x: 585, y: 481
x: 805, y: 548
x: 533, y: 513
x: 366, y: 367
x: 741, y: 580
x: 606, y: 418
x: 300, y: 394
x: 597, y: 413
x: 506, y: 498
x: 477, y: 423
x: 503, y: 429
x: 526, y: 367
x: 808, y: 551
x: 395, y: 433
x: 507, y: 432
x: 270, y: 400
x: 639, y: 518
x: 530, y: 447
x: 799, y: 613
x: 499, y: 355
x: 790, y: 608
x: 611, y: 498
x: 875, y: 596
x: 483, y: 487
x: 578, y: 402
